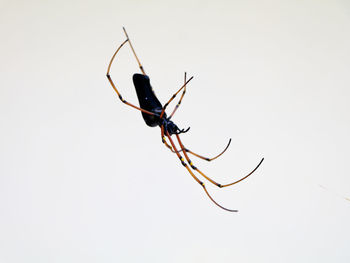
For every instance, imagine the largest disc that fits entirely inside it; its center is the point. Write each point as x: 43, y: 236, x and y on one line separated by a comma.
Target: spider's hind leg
x: 114, y: 85
x: 133, y: 51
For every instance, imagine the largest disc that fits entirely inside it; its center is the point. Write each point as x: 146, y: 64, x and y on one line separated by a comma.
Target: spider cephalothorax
x: 172, y: 128
x: 154, y: 114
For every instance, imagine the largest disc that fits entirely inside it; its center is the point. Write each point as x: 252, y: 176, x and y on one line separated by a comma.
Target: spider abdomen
x: 147, y: 99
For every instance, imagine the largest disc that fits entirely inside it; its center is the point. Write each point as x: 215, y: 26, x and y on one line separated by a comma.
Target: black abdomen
x: 147, y: 99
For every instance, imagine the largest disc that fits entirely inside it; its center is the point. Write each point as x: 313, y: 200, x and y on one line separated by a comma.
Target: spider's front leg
x: 164, y: 140
x: 192, y: 174
x: 206, y: 177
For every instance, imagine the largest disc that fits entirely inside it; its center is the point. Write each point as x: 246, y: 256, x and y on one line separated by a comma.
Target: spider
x: 154, y: 114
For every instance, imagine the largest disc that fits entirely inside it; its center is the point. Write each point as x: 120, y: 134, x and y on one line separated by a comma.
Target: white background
x: 83, y: 179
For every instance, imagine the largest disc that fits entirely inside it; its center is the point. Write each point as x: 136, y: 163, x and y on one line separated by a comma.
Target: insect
x: 153, y: 113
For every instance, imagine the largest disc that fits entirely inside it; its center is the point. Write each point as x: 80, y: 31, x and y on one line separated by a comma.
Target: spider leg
x: 164, y: 140
x: 174, y: 95
x: 206, y: 177
x: 206, y: 158
x: 133, y: 51
x: 114, y: 86
x: 178, y: 104
x: 195, y: 177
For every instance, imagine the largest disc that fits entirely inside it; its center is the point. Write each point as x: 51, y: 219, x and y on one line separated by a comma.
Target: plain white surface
x: 82, y: 179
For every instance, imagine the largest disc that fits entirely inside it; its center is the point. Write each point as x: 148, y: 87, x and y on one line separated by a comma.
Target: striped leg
x: 206, y: 158
x: 206, y: 177
x: 189, y: 151
x: 114, y: 86
x: 133, y: 51
x: 173, y: 97
x: 164, y: 140
x: 178, y: 104
x: 192, y: 174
